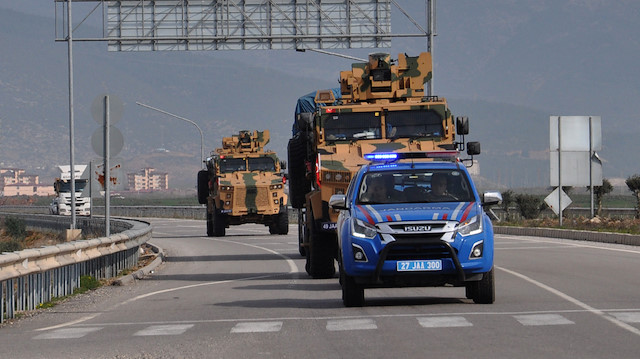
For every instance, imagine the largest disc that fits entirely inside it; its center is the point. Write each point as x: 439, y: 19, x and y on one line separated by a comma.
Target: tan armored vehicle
x: 380, y: 106
x: 243, y: 183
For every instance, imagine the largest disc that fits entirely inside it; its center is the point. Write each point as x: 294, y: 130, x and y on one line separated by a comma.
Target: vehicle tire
x: 352, y: 293
x: 203, y: 186
x: 320, y: 256
x: 299, y: 185
x: 218, y: 225
x: 273, y: 229
x: 301, y: 247
x: 282, y: 225
x: 209, y: 224
x: 485, y: 290
x: 470, y: 289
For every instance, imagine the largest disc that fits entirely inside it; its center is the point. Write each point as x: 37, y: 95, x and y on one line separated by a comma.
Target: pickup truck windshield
x: 416, y: 186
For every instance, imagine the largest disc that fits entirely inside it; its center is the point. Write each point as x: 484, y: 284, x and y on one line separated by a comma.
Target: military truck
x: 380, y: 106
x: 244, y: 183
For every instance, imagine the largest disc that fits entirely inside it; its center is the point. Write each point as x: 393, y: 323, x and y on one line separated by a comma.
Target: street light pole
x: 183, y: 119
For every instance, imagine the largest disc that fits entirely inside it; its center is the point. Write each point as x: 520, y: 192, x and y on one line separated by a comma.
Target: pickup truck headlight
x: 362, y: 229
x: 471, y: 226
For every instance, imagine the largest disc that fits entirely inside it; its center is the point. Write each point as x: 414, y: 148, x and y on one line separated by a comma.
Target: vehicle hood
x: 445, y: 211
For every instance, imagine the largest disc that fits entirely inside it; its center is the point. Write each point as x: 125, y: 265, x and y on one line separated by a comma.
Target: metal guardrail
x: 198, y: 212
x: 31, y: 277
x: 34, y: 276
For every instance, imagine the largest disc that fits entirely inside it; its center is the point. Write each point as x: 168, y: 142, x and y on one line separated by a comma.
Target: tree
x: 633, y: 183
x: 508, y: 198
x: 600, y: 192
x: 529, y: 205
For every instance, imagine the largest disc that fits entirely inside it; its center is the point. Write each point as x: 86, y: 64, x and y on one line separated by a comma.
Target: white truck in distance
x: 62, y: 186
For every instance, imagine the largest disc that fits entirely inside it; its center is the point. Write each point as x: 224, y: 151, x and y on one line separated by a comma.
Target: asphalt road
x: 246, y: 295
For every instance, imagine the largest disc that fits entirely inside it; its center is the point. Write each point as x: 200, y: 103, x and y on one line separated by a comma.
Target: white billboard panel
x: 575, y: 169
x: 575, y: 133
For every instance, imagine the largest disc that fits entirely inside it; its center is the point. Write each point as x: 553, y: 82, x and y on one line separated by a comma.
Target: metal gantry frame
x: 175, y: 25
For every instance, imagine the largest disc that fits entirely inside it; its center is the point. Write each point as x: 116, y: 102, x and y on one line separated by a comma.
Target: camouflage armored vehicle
x: 243, y: 183
x: 381, y: 106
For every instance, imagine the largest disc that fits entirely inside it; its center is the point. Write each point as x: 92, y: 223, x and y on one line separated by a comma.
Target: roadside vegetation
x: 530, y: 210
x: 14, y: 236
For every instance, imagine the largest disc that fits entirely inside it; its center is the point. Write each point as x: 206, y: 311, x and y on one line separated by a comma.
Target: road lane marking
x: 444, y: 322
x: 351, y: 324
x: 628, y: 317
x: 542, y: 319
x: 68, y: 333
x: 570, y: 242
x: 293, y: 269
x: 174, y: 329
x: 569, y: 298
x: 256, y: 327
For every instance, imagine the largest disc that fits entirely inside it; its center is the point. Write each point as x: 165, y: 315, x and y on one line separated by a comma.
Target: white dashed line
x: 68, y: 333
x: 257, y: 327
x: 164, y: 330
x: 628, y: 317
x: 351, y: 324
x: 443, y: 322
x: 542, y: 319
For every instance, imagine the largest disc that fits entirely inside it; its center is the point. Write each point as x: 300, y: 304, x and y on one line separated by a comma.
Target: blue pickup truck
x: 414, y: 220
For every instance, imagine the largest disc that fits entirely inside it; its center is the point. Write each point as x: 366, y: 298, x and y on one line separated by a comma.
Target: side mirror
x: 283, y: 165
x: 491, y: 198
x: 338, y: 201
x: 473, y: 148
x: 462, y: 125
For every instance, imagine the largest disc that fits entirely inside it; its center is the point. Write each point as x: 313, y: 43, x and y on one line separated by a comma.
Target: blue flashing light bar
x: 394, y: 156
x: 381, y: 156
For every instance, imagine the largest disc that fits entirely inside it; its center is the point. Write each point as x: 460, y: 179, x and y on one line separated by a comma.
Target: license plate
x: 422, y: 265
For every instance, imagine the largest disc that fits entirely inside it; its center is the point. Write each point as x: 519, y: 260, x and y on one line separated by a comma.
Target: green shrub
x: 15, y: 227
x: 88, y: 282
x: 528, y: 205
x: 10, y: 246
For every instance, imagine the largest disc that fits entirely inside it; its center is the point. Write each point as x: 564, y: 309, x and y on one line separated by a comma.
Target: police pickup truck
x: 414, y: 220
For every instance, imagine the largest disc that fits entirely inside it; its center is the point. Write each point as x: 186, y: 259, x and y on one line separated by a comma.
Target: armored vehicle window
x: 351, y: 126
x: 232, y: 164
x: 262, y: 164
x: 414, y: 123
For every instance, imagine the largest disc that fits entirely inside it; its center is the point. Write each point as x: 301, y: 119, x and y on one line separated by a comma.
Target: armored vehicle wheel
x: 301, y: 227
x: 209, y: 225
x: 485, y: 291
x: 203, y: 186
x: 352, y: 294
x: 273, y: 229
x: 320, y: 256
x: 299, y: 185
x: 283, y: 222
x: 218, y: 225
x: 301, y: 249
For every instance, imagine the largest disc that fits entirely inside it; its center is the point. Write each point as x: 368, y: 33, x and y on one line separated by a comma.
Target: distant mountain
x: 222, y: 96
x: 507, y: 65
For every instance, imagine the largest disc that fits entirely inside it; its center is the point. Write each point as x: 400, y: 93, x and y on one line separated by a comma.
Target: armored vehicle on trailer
x: 380, y: 106
x: 243, y: 183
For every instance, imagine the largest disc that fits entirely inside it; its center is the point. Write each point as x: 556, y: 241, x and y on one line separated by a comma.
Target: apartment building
x: 16, y: 182
x: 147, y: 179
